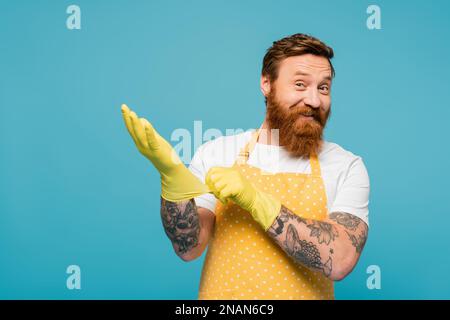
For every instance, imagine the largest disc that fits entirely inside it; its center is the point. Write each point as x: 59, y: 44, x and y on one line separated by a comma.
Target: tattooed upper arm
x: 356, y: 229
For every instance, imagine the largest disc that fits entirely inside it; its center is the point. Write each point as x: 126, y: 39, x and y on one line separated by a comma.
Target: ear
x: 265, y: 85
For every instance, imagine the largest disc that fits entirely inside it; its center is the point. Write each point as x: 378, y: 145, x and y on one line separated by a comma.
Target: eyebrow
x: 300, y: 73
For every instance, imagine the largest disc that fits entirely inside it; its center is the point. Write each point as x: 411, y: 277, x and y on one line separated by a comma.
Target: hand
x: 177, y: 182
x: 229, y: 183
x: 149, y: 142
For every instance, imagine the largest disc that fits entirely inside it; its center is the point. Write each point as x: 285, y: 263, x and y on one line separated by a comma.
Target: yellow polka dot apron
x: 243, y: 262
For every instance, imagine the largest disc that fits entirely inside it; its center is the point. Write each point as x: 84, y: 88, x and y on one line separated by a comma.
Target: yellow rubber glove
x: 229, y: 183
x: 177, y: 182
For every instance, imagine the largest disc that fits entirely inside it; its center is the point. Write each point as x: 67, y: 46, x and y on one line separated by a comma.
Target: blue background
x: 74, y: 189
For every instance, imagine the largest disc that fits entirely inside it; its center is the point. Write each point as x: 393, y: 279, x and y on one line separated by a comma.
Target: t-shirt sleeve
x: 353, y: 193
x: 199, y: 168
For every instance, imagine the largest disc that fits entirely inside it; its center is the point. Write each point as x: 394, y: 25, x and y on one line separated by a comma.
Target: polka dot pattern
x: 243, y: 262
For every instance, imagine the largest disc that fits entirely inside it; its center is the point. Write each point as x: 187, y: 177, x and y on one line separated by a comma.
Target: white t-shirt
x: 345, y: 176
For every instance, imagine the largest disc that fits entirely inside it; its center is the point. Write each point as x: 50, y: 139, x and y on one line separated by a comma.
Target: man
x: 292, y: 215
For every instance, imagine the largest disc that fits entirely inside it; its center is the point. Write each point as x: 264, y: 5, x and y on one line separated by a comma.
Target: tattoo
x: 283, y: 218
x: 352, y: 223
x: 277, y: 227
x: 181, y: 223
x: 323, y: 231
x: 305, y: 249
x: 358, y: 241
x: 305, y: 252
x: 349, y: 221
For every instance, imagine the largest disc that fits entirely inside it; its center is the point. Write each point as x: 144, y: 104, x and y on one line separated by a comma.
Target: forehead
x: 307, y: 64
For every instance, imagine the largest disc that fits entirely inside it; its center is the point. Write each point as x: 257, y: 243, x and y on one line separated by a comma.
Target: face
x: 298, y: 103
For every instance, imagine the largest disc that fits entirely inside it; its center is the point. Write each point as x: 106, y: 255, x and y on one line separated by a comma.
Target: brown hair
x: 294, y: 45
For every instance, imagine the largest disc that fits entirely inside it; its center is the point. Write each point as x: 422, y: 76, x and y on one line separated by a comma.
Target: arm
x: 188, y: 227
x: 332, y: 246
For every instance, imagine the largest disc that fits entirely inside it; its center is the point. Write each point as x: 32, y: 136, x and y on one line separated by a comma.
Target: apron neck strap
x: 244, y: 153
x: 315, y: 165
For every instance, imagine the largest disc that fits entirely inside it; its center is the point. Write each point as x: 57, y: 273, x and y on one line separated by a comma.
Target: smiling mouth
x: 306, y: 117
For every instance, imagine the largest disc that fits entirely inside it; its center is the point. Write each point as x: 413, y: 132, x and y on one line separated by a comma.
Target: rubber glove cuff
x: 265, y: 209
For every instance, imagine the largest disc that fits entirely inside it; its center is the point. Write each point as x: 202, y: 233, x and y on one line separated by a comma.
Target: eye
x: 324, y: 89
x: 300, y: 84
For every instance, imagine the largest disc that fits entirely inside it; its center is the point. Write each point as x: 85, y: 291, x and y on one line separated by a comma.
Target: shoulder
x: 333, y: 152
x: 337, y: 158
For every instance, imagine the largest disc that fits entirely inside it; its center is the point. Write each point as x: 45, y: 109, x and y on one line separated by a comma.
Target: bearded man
x: 283, y: 212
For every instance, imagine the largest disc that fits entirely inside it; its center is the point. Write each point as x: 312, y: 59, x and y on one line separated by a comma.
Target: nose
x: 312, y: 98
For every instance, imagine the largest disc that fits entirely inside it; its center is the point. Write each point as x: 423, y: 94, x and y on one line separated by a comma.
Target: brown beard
x: 300, y: 137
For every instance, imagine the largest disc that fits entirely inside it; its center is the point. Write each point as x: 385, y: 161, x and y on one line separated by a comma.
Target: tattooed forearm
x: 319, y: 245
x: 323, y: 231
x: 181, y: 224
x: 285, y: 232
x: 305, y: 252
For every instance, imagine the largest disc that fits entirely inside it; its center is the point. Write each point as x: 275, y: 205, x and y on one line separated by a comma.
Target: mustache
x: 296, y: 111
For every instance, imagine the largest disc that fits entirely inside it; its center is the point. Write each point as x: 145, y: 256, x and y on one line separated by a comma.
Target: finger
x: 227, y: 192
x: 125, y: 108
x: 210, y: 181
x: 138, y: 130
x: 220, y: 183
x: 144, y: 125
x: 128, y: 124
x: 218, y: 196
x: 208, y: 177
x: 210, y: 184
x: 212, y: 176
x: 150, y: 133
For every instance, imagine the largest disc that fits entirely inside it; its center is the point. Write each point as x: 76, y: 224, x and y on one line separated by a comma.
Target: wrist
x: 180, y: 184
x: 265, y: 209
